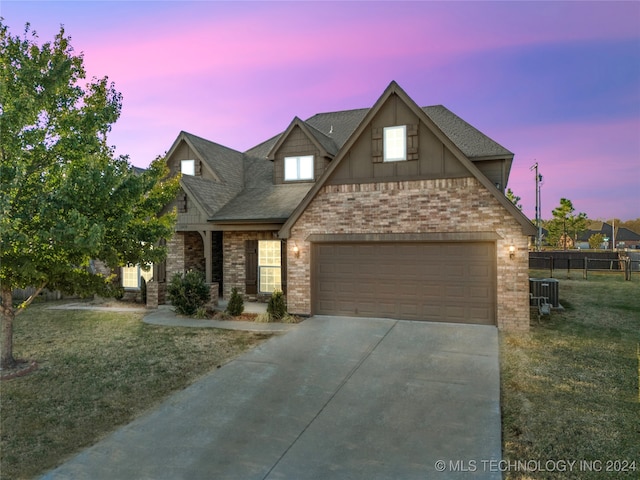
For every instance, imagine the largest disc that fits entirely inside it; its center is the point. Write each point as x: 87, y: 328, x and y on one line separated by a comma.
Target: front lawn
x: 570, y: 386
x: 97, y: 370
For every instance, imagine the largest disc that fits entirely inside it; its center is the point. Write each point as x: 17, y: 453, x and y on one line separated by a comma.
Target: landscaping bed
x: 570, y: 386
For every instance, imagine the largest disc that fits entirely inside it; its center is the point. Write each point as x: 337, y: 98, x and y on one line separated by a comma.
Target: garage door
x: 447, y: 282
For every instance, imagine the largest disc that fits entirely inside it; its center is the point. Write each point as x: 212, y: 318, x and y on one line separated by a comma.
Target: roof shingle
x: 246, y: 191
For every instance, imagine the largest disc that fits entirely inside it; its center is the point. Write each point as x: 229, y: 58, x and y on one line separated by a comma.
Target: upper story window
x: 395, y: 143
x: 298, y: 168
x: 188, y: 167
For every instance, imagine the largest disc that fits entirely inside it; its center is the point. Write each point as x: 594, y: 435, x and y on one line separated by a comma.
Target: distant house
x: 390, y: 211
x: 624, y: 238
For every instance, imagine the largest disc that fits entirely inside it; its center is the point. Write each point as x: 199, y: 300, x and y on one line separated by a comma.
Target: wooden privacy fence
x: 47, y: 295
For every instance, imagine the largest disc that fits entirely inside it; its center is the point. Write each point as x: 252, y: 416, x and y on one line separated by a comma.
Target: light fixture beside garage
x: 296, y: 250
x: 512, y: 251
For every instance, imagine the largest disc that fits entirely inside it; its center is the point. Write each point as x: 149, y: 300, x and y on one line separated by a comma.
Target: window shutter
x: 182, y: 202
x: 412, y: 142
x: 251, y: 267
x: 198, y: 167
x: 283, y: 267
x: 376, y: 144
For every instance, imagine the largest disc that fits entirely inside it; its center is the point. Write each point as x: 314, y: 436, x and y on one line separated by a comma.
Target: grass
x: 570, y: 386
x: 97, y: 371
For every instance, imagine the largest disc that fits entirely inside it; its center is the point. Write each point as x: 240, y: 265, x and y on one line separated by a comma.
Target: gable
x: 183, y: 151
x: 394, y: 106
x: 295, y: 143
x: 428, y: 156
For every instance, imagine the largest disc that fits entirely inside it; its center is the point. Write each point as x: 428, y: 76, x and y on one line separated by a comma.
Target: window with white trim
x: 269, y: 266
x: 298, y: 168
x: 131, y: 276
x: 188, y: 167
x: 395, y: 143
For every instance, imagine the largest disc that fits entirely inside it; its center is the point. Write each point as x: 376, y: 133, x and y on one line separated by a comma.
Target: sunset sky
x: 556, y: 83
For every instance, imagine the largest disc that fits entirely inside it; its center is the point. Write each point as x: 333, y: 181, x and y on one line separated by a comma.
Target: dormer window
x: 395, y: 143
x: 298, y: 168
x: 188, y: 167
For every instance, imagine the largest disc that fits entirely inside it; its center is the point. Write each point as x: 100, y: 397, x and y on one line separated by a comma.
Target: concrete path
x: 334, y: 398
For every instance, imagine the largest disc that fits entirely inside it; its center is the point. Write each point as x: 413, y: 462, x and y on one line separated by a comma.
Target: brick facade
x: 234, y: 258
x: 423, y: 206
x: 175, y: 255
x: 185, y: 252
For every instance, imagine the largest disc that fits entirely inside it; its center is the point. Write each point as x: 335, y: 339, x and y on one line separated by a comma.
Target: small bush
x: 188, y: 292
x: 277, y: 308
x: 235, y: 306
x: 117, y: 292
x: 263, y: 318
x: 290, y: 319
x: 222, y: 316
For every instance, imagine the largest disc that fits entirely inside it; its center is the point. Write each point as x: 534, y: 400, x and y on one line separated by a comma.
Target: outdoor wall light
x: 512, y: 251
x: 296, y: 251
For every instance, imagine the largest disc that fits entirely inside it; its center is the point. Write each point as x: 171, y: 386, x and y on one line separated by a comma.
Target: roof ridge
x: 339, y: 111
x: 210, y: 141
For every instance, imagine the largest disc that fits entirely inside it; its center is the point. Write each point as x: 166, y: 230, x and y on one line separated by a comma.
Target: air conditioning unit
x: 545, y: 287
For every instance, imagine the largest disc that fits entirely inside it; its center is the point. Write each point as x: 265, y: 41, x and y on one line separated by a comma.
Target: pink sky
x: 554, y: 82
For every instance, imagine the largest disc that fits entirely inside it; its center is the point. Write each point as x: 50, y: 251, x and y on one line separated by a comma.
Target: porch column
x: 206, y: 240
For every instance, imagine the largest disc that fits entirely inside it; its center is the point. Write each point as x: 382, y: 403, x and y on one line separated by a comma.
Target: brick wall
x: 193, y: 252
x: 423, y: 206
x: 234, y: 258
x: 185, y: 251
x: 175, y: 255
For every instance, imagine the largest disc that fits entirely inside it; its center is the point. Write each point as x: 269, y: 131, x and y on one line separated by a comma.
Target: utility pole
x: 538, y: 207
x: 613, y: 234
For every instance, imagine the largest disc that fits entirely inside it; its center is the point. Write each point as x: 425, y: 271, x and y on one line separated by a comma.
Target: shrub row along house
x: 390, y: 211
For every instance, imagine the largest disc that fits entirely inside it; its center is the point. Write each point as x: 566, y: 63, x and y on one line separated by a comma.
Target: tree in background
x: 596, y: 240
x: 64, y: 199
x: 565, y: 225
x: 514, y: 198
x: 633, y: 225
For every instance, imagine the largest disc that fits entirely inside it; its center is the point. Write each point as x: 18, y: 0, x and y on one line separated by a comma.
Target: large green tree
x: 565, y: 225
x: 64, y: 198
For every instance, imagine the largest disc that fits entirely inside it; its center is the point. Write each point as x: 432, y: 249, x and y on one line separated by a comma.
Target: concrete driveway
x: 333, y: 398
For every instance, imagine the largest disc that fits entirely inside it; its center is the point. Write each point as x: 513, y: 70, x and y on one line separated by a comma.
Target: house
x: 624, y: 238
x: 390, y: 211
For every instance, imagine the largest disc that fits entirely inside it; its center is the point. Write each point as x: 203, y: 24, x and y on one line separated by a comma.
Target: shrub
x: 222, y: 316
x: 188, y: 292
x: 277, y: 308
x: 290, y: 319
x: 263, y: 318
x: 235, y: 306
